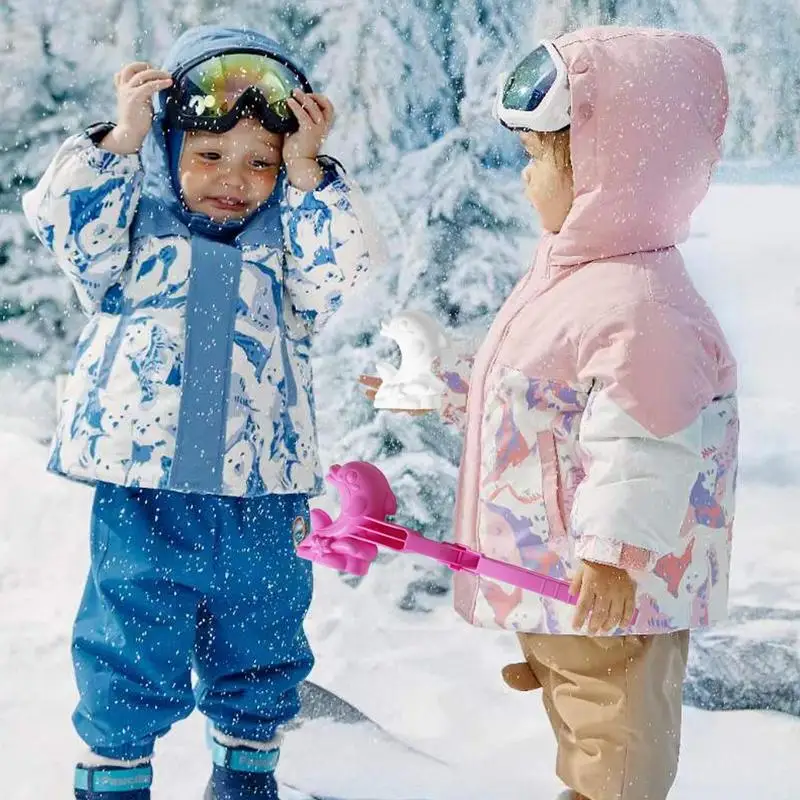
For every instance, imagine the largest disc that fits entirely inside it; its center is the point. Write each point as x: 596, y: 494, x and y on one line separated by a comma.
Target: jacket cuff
x: 332, y: 173
x: 104, y: 160
x: 98, y: 131
x: 616, y: 554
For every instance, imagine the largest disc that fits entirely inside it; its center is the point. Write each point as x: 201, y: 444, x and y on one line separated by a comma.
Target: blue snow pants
x: 181, y: 582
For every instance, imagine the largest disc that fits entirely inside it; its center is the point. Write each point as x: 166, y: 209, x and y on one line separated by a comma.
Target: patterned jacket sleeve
x: 454, y: 370
x: 331, y: 243
x: 82, y: 209
x: 640, y: 433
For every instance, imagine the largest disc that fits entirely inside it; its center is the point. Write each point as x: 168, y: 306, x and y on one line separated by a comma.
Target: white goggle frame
x: 552, y: 114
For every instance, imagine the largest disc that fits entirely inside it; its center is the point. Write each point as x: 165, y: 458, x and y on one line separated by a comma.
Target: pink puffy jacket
x: 600, y: 411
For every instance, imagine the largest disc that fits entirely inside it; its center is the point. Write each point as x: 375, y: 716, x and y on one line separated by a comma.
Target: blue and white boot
x: 109, y: 782
x: 242, y: 772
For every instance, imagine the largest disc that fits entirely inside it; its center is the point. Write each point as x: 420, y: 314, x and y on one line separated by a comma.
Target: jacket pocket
x: 552, y: 492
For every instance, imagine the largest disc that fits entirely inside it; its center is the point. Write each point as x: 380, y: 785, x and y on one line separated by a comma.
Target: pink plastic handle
x: 461, y: 558
x: 350, y: 543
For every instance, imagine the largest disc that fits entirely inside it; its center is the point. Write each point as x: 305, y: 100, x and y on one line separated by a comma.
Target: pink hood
x: 648, y: 112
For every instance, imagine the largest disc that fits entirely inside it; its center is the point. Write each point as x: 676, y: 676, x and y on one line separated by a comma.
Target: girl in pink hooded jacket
x: 600, y: 416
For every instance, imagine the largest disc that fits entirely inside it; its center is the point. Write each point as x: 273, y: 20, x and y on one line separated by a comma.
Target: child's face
x: 548, y: 185
x: 229, y: 175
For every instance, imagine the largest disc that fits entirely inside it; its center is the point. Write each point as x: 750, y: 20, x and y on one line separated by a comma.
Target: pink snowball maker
x: 350, y: 542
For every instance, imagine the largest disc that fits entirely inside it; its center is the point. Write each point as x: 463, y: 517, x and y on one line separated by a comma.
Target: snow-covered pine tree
x: 457, y: 227
x: 387, y: 80
x: 55, y: 69
x: 762, y: 41
x: 378, y: 64
x: 553, y: 17
x: 285, y: 22
x: 467, y: 207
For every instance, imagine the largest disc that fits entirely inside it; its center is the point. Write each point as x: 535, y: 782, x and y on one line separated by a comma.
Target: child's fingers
x: 311, y: 107
x: 585, y: 601
x: 625, y: 618
x: 628, y: 611
x: 615, y: 614
x: 147, y: 75
x: 326, y: 105
x: 150, y: 88
x: 129, y: 70
x: 577, y: 581
x: 373, y: 383
x: 302, y: 115
x: 601, y: 610
x: 370, y: 380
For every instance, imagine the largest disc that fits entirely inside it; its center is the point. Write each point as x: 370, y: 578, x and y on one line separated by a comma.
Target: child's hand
x: 136, y: 84
x: 605, y: 592
x: 314, y: 113
x: 373, y: 384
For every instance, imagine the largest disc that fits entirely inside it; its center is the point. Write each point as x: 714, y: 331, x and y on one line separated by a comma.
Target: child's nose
x: 233, y: 173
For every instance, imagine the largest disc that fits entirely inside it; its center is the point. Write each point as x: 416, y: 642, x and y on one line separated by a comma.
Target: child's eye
x: 209, y: 155
x: 259, y: 163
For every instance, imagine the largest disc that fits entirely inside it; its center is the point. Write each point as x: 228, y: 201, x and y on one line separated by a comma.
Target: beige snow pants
x: 615, y: 707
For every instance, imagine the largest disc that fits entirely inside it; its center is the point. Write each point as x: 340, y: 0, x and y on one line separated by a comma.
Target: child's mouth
x: 229, y: 204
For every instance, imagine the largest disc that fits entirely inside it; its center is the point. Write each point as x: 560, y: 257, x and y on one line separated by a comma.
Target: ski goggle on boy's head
x: 214, y: 94
x: 534, y: 96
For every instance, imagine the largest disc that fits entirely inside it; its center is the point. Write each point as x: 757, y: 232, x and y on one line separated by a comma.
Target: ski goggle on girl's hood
x: 215, y: 93
x: 534, y: 96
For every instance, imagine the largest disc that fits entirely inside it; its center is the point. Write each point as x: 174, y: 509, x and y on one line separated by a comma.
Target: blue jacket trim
x: 211, y: 304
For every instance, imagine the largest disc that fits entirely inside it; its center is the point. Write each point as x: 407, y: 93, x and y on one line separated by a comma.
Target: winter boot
x: 113, y: 783
x: 242, y: 773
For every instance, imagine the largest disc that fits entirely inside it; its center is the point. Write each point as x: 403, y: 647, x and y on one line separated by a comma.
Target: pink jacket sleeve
x: 641, y: 432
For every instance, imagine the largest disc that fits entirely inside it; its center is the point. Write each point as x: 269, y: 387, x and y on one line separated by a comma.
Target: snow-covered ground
x: 429, y: 679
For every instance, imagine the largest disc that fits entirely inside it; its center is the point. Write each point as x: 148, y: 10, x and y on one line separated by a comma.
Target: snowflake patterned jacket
x: 193, y: 371
x: 600, y: 412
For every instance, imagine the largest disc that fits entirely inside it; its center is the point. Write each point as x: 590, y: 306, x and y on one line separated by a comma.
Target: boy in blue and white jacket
x: 207, y: 241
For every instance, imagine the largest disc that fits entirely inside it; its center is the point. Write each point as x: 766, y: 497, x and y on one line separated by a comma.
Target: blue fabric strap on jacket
x: 241, y: 759
x: 200, y: 448
x: 110, y: 779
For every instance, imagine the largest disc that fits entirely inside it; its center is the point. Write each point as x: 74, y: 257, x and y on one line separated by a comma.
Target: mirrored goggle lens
x: 530, y: 81
x: 212, y: 89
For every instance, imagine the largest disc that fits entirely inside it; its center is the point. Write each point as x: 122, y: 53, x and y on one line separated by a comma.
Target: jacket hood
x: 648, y: 113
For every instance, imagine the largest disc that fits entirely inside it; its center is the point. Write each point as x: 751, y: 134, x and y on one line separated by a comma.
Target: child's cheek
x: 193, y: 184
x: 531, y: 192
x: 529, y: 183
x: 200, y: 173
x: 263, y: 181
